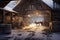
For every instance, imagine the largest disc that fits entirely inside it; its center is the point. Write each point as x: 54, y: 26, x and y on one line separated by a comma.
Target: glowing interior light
x: 29, y: 15
x: 37, y: 13
x: 32, y: 25
x: 40, y: 24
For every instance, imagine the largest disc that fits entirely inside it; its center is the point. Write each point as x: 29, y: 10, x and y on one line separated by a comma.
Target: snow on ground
x: 32, y: 34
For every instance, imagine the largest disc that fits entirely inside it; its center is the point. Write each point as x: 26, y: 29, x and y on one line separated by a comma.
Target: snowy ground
x: 32, y: 34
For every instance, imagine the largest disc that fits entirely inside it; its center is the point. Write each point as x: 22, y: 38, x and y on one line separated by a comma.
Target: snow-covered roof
x: 49, y: 3
x: 11, y: 5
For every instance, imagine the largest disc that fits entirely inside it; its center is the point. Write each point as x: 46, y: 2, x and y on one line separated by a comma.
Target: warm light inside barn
x: 36, y: 20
